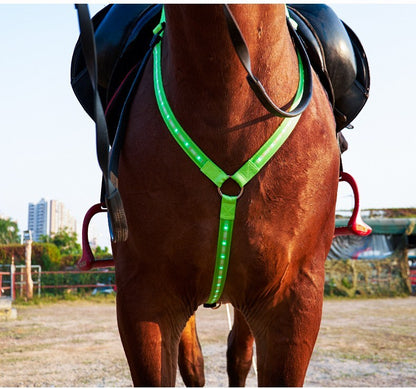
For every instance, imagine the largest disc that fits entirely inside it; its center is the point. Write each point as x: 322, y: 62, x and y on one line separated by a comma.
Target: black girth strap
x: 241, y: 49
x: 118, y: 221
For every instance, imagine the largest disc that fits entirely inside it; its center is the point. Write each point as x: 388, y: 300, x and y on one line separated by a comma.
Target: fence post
x: 28, y: 270
x: 12, y: 280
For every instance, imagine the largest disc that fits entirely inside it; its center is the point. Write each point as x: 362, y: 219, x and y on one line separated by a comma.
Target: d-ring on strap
x: 214, y: 172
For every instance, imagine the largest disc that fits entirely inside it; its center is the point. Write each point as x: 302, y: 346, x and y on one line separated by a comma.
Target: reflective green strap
x: 266, y: 152
x: 212, y: 171
x: 263, y: 155
x: 225, y: 233
x: 159, y: 28
x: 215, y: 173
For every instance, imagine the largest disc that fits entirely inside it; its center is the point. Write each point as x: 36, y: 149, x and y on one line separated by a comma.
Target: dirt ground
x: 361, y: 343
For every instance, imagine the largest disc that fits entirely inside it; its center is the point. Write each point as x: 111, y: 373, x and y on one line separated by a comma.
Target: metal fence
x: 13, y: 284
x: 5, y: 287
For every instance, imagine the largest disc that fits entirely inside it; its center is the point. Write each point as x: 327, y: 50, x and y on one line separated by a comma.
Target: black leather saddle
x: 123, y: 33
x: 122, y: 36
x: 337, y: 56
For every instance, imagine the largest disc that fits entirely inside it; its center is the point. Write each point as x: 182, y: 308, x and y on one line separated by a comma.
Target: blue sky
x: 48, y: 144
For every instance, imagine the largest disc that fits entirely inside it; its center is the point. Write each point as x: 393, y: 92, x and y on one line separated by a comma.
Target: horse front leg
x: 150, y: 338
x: 286, y: 332
x: 239, y: 351
x: 191, y: 360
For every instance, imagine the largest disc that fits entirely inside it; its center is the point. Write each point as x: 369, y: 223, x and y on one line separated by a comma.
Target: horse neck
x: 201, y: 67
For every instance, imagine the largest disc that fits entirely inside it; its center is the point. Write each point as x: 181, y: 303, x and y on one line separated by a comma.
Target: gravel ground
x: 361, y: 343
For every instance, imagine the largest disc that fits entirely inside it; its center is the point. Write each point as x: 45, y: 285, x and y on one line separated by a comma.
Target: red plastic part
x: 356, y: 225
x: 88, y: 261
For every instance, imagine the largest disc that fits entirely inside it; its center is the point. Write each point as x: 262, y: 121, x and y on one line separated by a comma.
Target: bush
x: 370, y: 277
x: 72, y: 280
x: 46, y: 255
x: 7, y: 251
x: 69, y: 261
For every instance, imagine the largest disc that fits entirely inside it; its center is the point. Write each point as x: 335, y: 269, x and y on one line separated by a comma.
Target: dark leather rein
x: 241, y: 49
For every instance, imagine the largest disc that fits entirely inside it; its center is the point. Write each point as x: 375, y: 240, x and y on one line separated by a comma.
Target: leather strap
x: 90, y: 56
x: 118, y: 221
x: 241, y: 49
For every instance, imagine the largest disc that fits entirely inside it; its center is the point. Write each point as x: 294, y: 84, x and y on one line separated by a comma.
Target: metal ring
x: 238, y: 196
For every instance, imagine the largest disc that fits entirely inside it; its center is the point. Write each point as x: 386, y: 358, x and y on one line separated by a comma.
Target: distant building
x: 38, y: 219
x: 49, y: 218
x: 60, y: 218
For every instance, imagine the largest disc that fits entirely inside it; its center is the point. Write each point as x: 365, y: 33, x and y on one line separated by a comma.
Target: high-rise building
x: 48, y: 219
x: 38, y: 219
x: 60, y: 218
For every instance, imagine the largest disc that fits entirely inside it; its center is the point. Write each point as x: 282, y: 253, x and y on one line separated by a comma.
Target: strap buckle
x: 158, y: 33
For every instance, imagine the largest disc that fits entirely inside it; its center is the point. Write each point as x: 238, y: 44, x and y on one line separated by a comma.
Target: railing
x: 78, y: 279
x: 19, y: 279
x: 3, y: 283
x: 13, y: 283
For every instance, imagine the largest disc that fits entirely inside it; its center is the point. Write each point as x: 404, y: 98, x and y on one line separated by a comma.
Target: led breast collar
x: 214, y: 172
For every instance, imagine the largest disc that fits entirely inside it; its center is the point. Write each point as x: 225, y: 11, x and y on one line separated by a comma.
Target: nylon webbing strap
x: 225, y: 233
x: 215, y: 173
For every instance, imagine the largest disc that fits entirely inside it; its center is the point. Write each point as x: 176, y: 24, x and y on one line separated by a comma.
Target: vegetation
x: 397, y: 212
x: 388, y: 213
x: 9, y: 231
x: 46, y: 255
x: 370, y: 278
x: 71, y: 280
x: 65, y: 240
x: 59, y: 252
x: 46, y: 299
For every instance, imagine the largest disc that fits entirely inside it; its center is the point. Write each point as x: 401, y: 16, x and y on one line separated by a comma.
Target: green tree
x: 101, y: 252
x: 9, y: 231
x: 66, y: 241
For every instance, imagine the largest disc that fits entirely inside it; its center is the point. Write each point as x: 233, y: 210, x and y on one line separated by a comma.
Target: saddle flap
x: 122, y: 34
x: 337, y: 57
x: 349, y: 105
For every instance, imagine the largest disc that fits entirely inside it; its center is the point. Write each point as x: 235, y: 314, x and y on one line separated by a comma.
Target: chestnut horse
x: 284, y: 220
